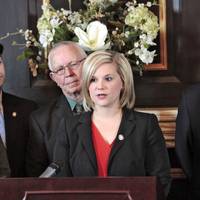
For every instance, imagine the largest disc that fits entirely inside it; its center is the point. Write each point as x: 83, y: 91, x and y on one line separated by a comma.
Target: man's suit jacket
x: 188, y: 135
x: 4, y: 165
x: 139, y: 150
x: 16, y: 116
x: 43, y: 127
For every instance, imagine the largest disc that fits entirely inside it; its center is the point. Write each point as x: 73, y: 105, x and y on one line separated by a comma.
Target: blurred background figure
x: 188, y: 137
x: 14, y: 118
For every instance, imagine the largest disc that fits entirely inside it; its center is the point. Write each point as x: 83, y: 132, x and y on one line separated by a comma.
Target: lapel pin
x: 120, y: 137
x: 14, y: 114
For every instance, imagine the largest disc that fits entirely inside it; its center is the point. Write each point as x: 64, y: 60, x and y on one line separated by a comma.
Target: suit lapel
x: 60, y: 110
x: 126, y: 128
x: 11, y: 116
x: 84, y: 132
x: 62, y: 107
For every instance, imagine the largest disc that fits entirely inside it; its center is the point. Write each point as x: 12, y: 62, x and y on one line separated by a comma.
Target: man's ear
x: 51, y: 75
x: 53, y: 78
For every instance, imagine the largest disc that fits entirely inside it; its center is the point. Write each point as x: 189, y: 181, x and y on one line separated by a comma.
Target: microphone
x: 50, y: 171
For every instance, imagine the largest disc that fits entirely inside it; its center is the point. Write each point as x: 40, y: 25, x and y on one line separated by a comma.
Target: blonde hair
x: 93, y: 62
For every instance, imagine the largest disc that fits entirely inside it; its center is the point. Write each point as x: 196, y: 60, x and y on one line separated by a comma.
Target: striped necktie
x: 78, y: 109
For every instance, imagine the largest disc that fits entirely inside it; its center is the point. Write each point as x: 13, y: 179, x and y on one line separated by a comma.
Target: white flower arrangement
x: 94, y: 38
x: 130, y: 28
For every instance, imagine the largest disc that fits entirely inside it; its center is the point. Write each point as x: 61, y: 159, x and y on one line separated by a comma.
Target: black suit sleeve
x: 157, y: 163
x: 182, y: 137
x: 36, y: 157
x: 62, y: 150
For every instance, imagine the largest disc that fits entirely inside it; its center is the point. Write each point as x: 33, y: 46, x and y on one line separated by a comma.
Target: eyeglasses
x: 71, y: 65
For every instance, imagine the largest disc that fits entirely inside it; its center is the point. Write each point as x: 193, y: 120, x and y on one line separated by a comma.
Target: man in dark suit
x: 188, y: 137
x: 65, y: 63
x: 15, y: 112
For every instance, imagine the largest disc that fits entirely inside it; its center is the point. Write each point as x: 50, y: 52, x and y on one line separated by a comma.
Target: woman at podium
x: 111, y: 138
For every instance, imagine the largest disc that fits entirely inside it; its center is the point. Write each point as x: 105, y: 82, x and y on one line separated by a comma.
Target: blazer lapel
x: 84, y: 132
x: 126, y: 128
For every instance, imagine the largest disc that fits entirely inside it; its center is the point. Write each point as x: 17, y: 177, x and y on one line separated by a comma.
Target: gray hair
x: 64, y: 43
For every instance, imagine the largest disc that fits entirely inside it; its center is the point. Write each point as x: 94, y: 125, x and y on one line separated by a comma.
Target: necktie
x: 2, y: 128
x: 78, y: 109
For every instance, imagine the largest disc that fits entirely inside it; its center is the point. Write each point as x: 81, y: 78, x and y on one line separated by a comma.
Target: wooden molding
x: 177, y: 173
x: 167, y: 121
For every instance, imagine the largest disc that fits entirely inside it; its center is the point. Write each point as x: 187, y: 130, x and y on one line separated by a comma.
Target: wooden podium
x: 110, y: 188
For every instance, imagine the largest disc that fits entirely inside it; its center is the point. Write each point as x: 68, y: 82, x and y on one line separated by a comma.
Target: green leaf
x: 25, y: 54
x: 21, y: 57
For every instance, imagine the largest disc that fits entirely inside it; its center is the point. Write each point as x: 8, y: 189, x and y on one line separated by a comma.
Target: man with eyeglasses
x: 65, y: 63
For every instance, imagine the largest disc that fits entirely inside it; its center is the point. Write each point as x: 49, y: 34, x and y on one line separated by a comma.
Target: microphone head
x: 50, y: 171
x: 55, y: 166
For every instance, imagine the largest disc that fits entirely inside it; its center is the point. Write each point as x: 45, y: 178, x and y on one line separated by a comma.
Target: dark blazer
x: 4, y: 165
x: 188, y: 136
x: 43, y: 127
x: 142, y: 152
x: 16, y: 116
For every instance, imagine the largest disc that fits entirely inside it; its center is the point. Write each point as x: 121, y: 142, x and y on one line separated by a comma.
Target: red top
x: 102, y: 149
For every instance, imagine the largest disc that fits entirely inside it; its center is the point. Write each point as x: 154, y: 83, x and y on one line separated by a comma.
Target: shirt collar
x: 72, y: 103
x: 1, y: 105
x: 0, y: 96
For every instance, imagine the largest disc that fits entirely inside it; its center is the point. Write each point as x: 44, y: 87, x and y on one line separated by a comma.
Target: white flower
x: 149, y: 4
x: 26, y: 34
x: 136, y: 44
x: 113, y: 1
x: 95, y: 1
x: 66, y: 12
x: 55, y: 22
x: 148, y: 39
x: 94, y: 38
x: 145, y: 55
x: 28, y: 43
x: 46, y: 37
x: 101, y: 2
